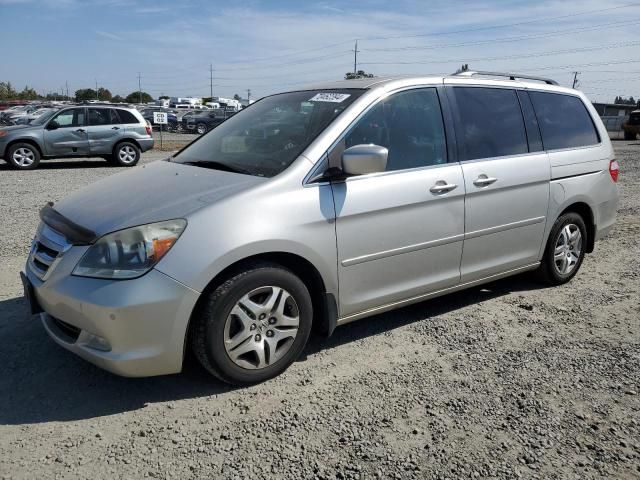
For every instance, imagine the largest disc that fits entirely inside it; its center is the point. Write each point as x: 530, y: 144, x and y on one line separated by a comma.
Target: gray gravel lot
x: 509, y: 380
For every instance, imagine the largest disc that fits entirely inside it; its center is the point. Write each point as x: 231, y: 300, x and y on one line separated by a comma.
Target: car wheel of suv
x: 565, y: 250
x: 201, y: 128
x: 126, y: 154
x: 253, y: 326
x: 23, y: 156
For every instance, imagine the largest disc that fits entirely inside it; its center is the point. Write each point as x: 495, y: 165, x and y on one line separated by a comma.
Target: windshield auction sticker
x: 329, y: 97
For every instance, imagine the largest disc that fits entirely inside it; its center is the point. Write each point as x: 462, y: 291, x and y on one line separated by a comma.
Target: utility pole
x: 97, y: 89
x: 211, y: 80
x: 248, y: 96
x: 66, y: 83
x: 139, y: 88
x: 355, y: 59
x: 575, y: 79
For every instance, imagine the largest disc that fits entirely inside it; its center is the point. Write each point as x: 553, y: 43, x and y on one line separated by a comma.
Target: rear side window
x: 564, y: 121
x: 127, y: 117
x: 99, y: 116
x: 489, y: 123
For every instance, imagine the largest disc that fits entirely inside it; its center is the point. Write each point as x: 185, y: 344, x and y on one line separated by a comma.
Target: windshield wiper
x: 218, y: 166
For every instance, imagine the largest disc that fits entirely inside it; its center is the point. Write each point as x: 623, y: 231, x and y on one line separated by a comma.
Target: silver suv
x: 115, y: 133
x: 319, y: 207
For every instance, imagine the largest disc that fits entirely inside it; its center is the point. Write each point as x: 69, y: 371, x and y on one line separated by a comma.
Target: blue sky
x: 284, y: 44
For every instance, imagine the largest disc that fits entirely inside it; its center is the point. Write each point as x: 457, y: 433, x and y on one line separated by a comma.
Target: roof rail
x: 511, y: 76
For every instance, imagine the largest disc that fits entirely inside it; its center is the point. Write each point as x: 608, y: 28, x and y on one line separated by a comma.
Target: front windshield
x: 266, y: 138
x: 43, y: 118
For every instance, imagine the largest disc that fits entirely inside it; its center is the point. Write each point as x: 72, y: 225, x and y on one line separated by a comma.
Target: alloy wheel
x: 24, y: 157
x: 261, y: 327
x: 568, y: 249
x: 127, y: 154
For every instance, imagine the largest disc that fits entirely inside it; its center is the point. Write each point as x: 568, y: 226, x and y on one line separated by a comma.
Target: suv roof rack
x: 511, y: 76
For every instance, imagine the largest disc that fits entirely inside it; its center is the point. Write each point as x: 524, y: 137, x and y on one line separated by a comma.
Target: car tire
x: 23, y: 156
x: 201, y: 128
x: 630, y: 136
x: 565, y: 250
x: 238, y: 338
x: 126, y: 154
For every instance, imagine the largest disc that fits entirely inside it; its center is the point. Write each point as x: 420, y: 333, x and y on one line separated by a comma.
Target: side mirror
x: 363, y: 159
x: 53, y: 125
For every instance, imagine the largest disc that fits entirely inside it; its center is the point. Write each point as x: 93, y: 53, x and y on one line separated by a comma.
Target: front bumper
x: 134, y: 328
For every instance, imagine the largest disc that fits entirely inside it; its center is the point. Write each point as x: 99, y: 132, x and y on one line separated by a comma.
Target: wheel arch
x: 586, y: 212
x: 123, y: 140
x: 324, y: 304
x: 30, y: 141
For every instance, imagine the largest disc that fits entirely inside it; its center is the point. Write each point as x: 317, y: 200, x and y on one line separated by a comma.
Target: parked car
x: 172, y: 119
x: 117, y: 134
x: 203, y: 121
x: 632, y: 126
x: 317, y: 208
x: 28, y: 118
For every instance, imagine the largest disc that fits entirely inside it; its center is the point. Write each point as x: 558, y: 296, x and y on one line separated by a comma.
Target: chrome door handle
x: 115, y: 128
x: 483, y: 181
x: 80, y: 130
x: 442, y: 187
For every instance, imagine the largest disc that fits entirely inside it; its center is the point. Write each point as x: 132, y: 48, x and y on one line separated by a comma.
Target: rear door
x: 70, y: 136
x: 104, y: 130
x: 506, y: 176
x: 399, y: 232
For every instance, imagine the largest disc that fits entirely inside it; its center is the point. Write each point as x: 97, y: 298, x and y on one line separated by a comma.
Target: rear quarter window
x: 564, y: 121
x: 127, y: 117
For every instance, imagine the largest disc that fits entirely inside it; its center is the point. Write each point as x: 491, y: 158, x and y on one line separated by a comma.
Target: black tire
x: 125, y: 154
x: 19, y: 153
x: 548, y: 272
x: 629, y: 135
x: 207, y: 332
x: 201, y: 128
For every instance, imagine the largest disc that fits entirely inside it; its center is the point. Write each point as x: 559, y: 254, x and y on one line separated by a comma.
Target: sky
x: 285, y: 44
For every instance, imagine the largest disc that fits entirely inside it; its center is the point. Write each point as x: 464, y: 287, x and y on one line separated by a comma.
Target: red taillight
x: 614, y: 170
x: 148, y: 127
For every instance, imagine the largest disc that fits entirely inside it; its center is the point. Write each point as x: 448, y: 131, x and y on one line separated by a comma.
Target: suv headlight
x: 129, y: 253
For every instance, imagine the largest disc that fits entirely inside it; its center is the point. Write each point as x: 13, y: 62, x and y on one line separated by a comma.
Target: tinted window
x: 114, y: 116
x: 409, y: 124
x: 530, y: 122
x: 70, y: 118
x: 127, y: 117
x: 489, y: 123
x: 99, y: 116
x: 564, y: 121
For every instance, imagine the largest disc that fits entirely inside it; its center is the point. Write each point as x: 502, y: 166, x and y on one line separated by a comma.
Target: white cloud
x: 109, y: 35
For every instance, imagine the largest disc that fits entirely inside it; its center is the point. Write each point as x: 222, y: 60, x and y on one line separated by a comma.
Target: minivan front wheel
x: 565, y: 249
x: 126, y: 154
x: 253, y: 326
x: 23, y: 156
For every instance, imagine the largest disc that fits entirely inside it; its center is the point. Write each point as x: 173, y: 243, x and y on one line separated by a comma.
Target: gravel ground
x: 505, y: 381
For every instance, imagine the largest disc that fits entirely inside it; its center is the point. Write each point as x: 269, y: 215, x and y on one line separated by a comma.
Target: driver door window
x: 70, y: 118
x: 409, y: 124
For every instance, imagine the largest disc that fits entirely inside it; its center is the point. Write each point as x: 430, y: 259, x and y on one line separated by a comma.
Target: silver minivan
x: 318, y: 207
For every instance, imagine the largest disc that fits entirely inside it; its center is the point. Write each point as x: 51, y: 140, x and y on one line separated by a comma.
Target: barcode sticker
x: 329, y: 97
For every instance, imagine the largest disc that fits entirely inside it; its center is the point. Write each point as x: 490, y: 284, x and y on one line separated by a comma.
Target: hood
x: 11, y: 128
x: 151, y: 193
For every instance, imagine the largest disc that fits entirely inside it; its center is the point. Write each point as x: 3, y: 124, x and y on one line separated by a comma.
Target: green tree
x: 7, y: 92
x: 135, y: 97
x: 164, y: 97
x: 104, y: 94
x: 85, y: 94
x: 237, y: 97
x: 118, y: 99
x: 28, y: 93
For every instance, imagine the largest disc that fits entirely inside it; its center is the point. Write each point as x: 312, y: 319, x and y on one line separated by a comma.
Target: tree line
x: 8, y: 92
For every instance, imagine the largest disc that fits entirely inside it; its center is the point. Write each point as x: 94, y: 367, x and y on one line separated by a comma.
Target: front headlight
x: 129, y: 253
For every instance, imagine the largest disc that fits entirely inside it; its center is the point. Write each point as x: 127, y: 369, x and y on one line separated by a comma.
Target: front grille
x: 46, y: 250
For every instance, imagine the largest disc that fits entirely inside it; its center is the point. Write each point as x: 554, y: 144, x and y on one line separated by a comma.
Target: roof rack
x: 511, y: 76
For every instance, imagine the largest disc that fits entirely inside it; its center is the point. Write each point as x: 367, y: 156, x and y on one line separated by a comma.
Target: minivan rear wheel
x: 23, y: 156
x: 125, y: 154
x: 565, y: 250
x: 201, y: 128
x: 253, y: 326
